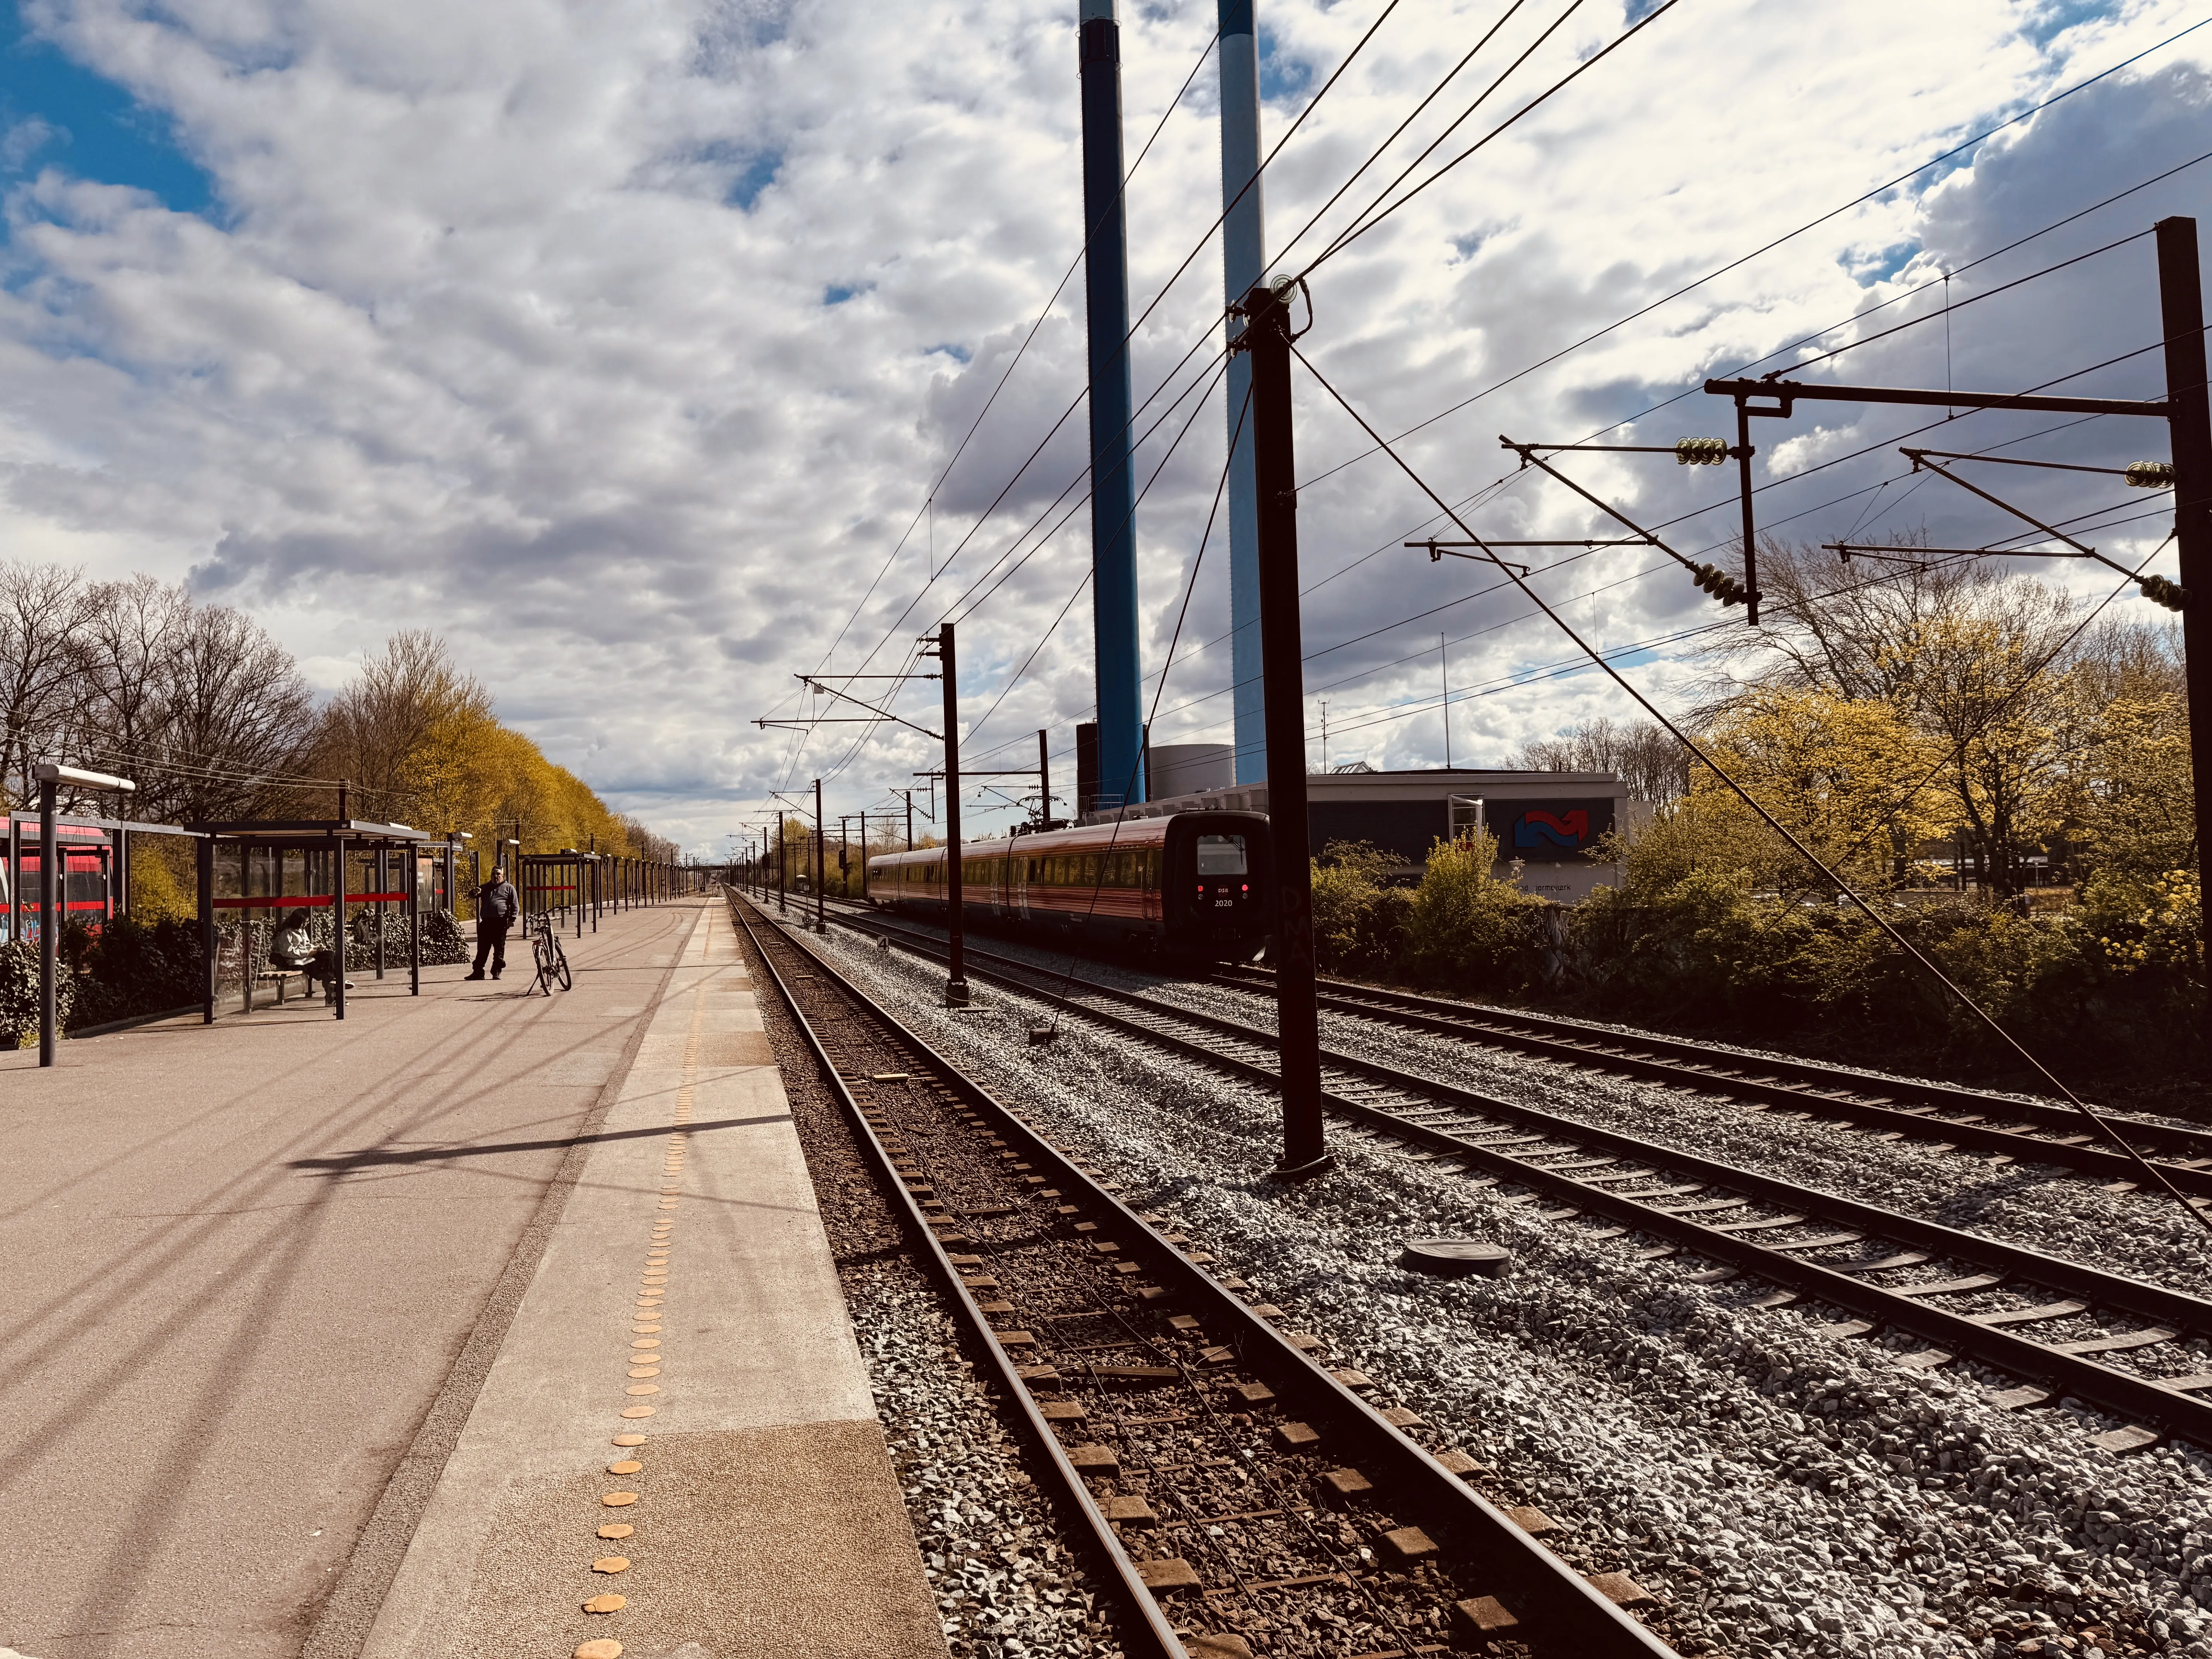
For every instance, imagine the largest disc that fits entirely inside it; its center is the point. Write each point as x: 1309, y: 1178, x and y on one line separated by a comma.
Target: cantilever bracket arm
x: 1919, y: 458
x: 1451, y: 550
x: 1530, y: 458
x: 884, y: 713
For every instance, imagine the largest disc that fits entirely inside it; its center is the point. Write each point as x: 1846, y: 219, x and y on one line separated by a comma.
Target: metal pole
x: 2181, y: 301
x: 1044, y: 783
x: 1243, y: 261
x: 909, y: 820
x: 414, y: 860
x: 956, y: 983
x: 1750, y: 535
x: 1113, y: 480
x: 49, y: 925
x: 782, y: 858
x: 821, y: 875
x: 339, y: 931
x: 383, y: 886
x: 1444, y: 674
x: 1268, y: 335
x: 203, y: 872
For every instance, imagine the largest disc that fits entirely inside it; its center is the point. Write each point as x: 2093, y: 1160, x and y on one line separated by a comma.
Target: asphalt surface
x: 257, y: 1273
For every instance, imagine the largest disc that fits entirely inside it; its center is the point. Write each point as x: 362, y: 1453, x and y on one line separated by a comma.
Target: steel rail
x: 1829, y: 1090
x: 2139, y: 1400
x: 1073, y: 1493
x: 1544, y: 1591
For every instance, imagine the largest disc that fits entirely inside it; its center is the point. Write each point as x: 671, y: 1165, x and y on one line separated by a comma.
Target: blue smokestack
x: 1112, y: 486
x: 1243, y: 255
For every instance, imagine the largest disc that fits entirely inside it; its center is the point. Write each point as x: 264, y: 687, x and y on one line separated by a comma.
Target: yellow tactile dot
x: 617, y: 1500
x: 646, y: 1371
x: 627, y: 1466
x: 617, y: 1530
x: 638, y: 1411
x: 611, y: 1564
x: 642, y: 1387
x: 629, y: 1440
x: 600, y: 1651
x: 647, y: 1342
x: 606, y: 1604
x: 645, y: 1329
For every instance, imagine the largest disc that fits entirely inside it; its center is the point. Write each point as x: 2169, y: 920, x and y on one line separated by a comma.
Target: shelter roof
x: 297, y: 831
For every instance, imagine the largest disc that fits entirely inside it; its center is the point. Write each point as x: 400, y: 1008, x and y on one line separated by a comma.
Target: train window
x: 1221, y: 855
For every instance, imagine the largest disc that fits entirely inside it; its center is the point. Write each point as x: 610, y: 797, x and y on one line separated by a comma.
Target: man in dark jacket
x: 497, y: 908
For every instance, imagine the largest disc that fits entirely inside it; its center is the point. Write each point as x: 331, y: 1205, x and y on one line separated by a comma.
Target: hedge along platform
x: 263, y: 865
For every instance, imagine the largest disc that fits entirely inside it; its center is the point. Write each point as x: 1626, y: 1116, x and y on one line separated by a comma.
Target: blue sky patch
x: 959, y: 354
x: 1281, y: 76
x: 759, y: 173
x: 54, y: 113
x: 836, y: 294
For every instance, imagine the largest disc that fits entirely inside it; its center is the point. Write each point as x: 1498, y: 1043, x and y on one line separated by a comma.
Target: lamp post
x: 50, y: 774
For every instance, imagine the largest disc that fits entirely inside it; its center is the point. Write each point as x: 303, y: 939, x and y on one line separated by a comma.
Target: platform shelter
x: 265, y: 868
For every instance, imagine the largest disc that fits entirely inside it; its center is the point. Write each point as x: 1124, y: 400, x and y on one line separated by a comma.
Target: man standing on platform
x: 497, y: 907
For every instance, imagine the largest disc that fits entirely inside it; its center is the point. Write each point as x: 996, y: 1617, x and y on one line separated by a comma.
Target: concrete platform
x: 766, y: 1517
x: 315, y: 1333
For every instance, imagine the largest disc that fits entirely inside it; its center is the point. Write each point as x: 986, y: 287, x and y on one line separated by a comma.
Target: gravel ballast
x: 1784, y: 1492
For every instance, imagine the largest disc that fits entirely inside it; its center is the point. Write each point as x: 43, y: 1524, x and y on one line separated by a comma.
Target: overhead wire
x: 868, y: 732
x: 1721, y: 270
x: 1173, y: 104
x: 1505, y: 480
x: 1368, y: 217
x: 1198, y: 247
x: 2104, y: 1129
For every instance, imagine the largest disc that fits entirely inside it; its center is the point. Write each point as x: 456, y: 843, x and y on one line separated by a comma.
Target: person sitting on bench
x: 293, y: 951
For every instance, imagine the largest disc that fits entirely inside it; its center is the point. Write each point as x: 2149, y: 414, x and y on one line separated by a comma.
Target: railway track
x: 2028, y: 1132
x: 2052, y: 1327
x: 1240, y: 1489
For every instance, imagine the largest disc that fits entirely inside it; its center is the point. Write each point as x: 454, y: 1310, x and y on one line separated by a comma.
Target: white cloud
x: 513, y: 322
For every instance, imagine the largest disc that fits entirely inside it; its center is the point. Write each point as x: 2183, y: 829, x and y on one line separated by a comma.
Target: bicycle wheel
x: 542, y: 949
x: 561, y: 967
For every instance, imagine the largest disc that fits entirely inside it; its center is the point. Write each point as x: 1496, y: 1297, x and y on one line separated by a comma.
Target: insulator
x: 2160, y: 590
x: 1700, y: 452
x: 1709, y: 578
x: 2150, y: 475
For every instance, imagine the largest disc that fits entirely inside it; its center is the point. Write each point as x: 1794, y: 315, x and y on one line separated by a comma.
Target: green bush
x: 19, y: 993
x: 1469, y: 929
x: 1360, y: 922
x: 132, y: 968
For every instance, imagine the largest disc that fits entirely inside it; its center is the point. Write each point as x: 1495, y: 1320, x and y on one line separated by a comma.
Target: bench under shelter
x: 262, y: 868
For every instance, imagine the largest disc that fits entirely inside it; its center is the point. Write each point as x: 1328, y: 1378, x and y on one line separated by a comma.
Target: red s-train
x: 1189, y: 883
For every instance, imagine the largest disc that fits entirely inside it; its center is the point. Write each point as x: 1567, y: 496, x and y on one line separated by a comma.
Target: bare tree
x: 1643, y: 755
x: 236, y: 719
x: 125, y: 651
x: 1828, y: 626
x: 42, y: 608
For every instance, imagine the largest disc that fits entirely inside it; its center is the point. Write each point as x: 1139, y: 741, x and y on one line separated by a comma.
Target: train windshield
x: 1221, y: 855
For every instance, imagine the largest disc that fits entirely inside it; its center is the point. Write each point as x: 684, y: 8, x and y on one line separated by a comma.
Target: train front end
x: 1218, y: 887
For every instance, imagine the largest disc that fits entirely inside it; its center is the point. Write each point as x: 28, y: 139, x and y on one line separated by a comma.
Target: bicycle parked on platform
x: 552, y: 962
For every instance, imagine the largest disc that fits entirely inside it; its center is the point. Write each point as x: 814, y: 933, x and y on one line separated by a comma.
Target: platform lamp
x: 50, y: 774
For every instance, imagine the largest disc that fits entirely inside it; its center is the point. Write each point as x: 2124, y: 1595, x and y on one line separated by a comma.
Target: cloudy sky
x: 625, y: 341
